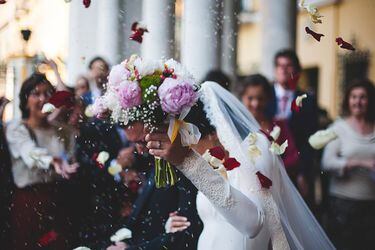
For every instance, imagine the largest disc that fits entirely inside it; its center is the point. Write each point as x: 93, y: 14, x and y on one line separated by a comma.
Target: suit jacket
x: 302, y: 124
x: 96, y: 196
x: 151, y: 211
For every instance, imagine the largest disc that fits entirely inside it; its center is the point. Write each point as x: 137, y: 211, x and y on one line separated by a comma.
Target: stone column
x: 278, y: 30
x: 201, y: 40
x: 159, y: 17
x: 107, y: 36
x: 229, y: 38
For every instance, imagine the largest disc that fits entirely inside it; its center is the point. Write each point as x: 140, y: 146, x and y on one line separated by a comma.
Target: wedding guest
x: 82, y: 90
x: 152, y: 208
x: 97, y: 75
x: 302, y: 124
x: 39, y: 156
x: 219, y: 77
x: 256, y: 93
x: 99, y: 196
x: 351, y: 160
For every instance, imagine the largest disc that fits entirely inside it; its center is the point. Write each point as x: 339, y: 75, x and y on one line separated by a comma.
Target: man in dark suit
x: 303, y: 123
x: 96, y: 196
x: 153, y: 206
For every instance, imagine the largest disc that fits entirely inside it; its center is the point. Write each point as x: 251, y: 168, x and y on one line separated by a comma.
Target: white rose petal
x: 275, y: 133
x: 89, y: 111
x: 299, y: 100
x: 278, y: 149
x: 254, y: 152
x: 48, y: 108
x: 114, y: 169
x: 103, y: 156
x: 81, y: 248
x: 322, y: 138
x: 121, y: 234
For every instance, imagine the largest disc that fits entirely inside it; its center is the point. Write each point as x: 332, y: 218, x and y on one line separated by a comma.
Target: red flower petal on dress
x: 343, y: 44
x: 137, y: 32
x: 86, y: 3
x: 62, y: 98
x: 317, y: 36
x: 293, y: 81
x: 269, y: 137
x: 47, y: 238
x: 231, y: 163
x: 217, y: 152
x: 264, y: 180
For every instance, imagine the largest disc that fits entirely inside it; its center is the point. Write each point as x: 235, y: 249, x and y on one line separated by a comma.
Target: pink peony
x: 176, y: 95
x: 118, y: 74
x: 130, y: 94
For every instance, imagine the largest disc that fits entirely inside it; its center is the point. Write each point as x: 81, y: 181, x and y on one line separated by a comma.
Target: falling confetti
x: 317, y: 36
x: 312, y: 10
x: 343, y: 44
x: 137, y: 32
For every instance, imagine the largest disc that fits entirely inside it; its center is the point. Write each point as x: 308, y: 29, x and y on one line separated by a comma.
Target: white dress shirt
x: 284, y: 98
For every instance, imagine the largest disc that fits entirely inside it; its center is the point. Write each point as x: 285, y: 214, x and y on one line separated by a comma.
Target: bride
x: 240, y: 212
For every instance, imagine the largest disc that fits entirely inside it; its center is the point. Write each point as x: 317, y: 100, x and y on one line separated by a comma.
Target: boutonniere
x: 264, y: 180
x: 254, y: 151
x: 297, y: 103
x: 218, y: 161
x: 272, y: 137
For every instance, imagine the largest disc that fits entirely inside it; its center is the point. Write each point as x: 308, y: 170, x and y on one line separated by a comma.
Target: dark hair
x: 255, y: 80
x: 27, y: 87
x: 198, y: 117
x: 98, y: 58
x: 292, y: 55
x: 218, y: 76
x: 370, y: 90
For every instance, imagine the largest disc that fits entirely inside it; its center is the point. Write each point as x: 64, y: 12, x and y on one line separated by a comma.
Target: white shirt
x: 283, y: 111
x: 357, y: 184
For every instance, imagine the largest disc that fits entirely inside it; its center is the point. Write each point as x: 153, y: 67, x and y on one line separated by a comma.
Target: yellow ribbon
x: 176, y: 128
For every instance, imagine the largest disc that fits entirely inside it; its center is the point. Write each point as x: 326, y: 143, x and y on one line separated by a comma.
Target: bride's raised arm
x: 239, y: 210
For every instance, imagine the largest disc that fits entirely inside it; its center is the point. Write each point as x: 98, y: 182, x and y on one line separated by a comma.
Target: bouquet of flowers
x: 154, y: 93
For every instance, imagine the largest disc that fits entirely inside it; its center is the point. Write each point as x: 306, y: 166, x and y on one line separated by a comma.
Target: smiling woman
x: 351, y: 160
x: 38, y: 156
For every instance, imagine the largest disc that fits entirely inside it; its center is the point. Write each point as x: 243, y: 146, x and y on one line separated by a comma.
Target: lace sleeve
x: 240, y: 211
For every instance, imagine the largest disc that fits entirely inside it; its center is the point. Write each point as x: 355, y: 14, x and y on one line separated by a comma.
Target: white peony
x: 322, y: 138
x: 179, y: 70
x: 121, y: 234
x: 146, y: 67
x: 48, y: 108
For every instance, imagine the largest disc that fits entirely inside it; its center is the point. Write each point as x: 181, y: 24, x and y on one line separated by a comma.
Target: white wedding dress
x: 238, y: 214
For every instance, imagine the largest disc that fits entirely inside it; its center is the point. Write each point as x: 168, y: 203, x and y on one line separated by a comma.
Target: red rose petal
x: 137, y: 32
x: 264, y: 180
x: 2, y: 1
x: 317, y: 36
x: 343, y: 44
x: 47, y: 238
x: 217, y: 152
x: 62, y: 98
x: 86, y: 3
x: 231, y: 163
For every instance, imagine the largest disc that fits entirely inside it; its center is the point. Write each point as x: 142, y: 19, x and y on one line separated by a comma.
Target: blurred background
x: 239, y: 37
